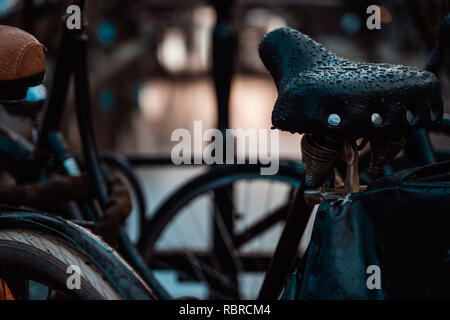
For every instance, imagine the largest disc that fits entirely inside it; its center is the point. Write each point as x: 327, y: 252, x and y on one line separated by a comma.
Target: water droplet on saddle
x: 409, y: 116
x: 376, y: 119
x: 334, y: 119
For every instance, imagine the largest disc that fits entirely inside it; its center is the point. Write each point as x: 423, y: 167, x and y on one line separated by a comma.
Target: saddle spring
x: 320, y: 152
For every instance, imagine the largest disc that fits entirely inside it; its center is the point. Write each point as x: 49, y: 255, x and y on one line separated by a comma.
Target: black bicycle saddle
x: 321, y: 93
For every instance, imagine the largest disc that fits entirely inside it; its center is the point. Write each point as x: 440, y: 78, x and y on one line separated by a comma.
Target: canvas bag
x: 400, y: 225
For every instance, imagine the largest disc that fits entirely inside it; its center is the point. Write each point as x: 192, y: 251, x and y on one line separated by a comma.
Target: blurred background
x: 150, y: 65
x: 150, y: 60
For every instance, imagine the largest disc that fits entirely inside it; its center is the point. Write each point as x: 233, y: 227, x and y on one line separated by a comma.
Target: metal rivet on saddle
x: 376, y: 119
x: 334, y: 119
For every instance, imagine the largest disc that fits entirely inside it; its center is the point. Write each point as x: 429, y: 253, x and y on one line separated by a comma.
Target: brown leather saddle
x: 22, y: 63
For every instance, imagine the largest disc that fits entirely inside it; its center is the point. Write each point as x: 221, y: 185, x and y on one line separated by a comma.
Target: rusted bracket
x: 349, y: 154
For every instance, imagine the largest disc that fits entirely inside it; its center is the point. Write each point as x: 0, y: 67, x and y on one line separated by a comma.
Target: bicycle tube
x: 121, y: 164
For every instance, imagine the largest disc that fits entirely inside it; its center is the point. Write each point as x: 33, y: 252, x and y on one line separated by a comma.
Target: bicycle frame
x: 72, y: 62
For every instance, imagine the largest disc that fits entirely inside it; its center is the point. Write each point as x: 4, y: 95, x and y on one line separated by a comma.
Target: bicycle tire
x: 44, y: 258
x: 43, y: 237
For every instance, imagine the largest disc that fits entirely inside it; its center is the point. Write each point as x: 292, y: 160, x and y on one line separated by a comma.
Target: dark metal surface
x: 285, y: 254
x: 58, y: 92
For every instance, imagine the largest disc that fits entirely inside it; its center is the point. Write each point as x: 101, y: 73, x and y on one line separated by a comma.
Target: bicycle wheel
x: 43, y: 257
x: 215, y: 236
x: 35, y: 265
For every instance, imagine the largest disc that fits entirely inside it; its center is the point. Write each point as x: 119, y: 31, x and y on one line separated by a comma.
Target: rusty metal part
x: 351, y: 158
x: 363, y: 144
x: 383, y: 150
x: 315, y: 196
x: 319, y: 154
x: 118, y: 208
x: 351, y: 184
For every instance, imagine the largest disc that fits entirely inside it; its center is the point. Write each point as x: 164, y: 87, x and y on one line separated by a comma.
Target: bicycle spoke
x: 194, y: 266
x: 269, y: 220
x: 190, y: 266
x: 224, y: 212
x: 228, y: 242
x: 217, y: 283
x: 213, y: 260
x: 262, y: 243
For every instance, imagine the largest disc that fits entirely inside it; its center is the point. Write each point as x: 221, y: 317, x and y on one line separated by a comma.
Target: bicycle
x: 51, y: 155
x: 37, y: 250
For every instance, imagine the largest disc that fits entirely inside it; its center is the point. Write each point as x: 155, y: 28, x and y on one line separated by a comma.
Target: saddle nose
x: 22, y: 62
x: 321, y: 93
